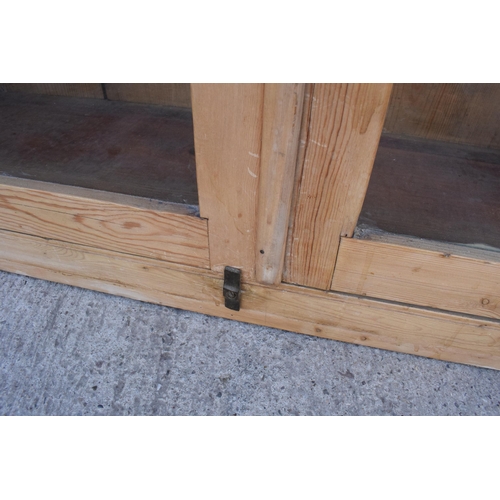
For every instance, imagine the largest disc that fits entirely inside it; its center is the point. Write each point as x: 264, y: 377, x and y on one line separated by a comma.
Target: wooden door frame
x: 238, y: 170
x: 341, y: 133
x: 246, y: 143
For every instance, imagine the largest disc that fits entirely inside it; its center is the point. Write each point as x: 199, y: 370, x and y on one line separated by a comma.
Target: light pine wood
x: 92, y: 90
x: 227, y: 132
x: 166, y: 94
x: 368, y: 322
x: 152, y: 231
x: 299, y: 167
x: 343, y: 134
x: 466, y: 113
x: 442, y: 276
x: 280, y: 140
x: 101, y: 196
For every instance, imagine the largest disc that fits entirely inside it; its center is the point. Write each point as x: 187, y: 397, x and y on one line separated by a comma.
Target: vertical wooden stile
x: 280, y: 140
x: 343, y: 133
x: 301, y: 153
x: 227, y: 122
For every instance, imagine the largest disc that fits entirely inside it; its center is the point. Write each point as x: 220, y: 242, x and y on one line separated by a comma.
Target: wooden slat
x: 153, y: 232
x: 280, y: 139
x: 363, y: 321
x: 93, y: 90
x: 227, y: 131
x: 166, y: 94
x: 450, y: 277
x: 466, y: 113
x: 344, y: 130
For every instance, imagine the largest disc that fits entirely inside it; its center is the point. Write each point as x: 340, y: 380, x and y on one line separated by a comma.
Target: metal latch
x: 232, y: 288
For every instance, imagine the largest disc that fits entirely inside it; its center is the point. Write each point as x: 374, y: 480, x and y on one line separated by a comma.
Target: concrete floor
x: 68, y: 351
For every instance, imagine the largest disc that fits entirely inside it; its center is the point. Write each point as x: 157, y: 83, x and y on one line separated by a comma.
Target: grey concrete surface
x: 68, y: 351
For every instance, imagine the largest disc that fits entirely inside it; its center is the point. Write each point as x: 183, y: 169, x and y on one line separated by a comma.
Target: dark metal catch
x: 232, y: 288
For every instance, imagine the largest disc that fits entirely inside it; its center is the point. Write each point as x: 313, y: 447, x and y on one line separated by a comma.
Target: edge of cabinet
x: 364, y: 321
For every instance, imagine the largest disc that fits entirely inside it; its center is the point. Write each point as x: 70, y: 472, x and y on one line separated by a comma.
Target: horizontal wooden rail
x: 442, y: 276
x: 358, y: 320
x: 107, y: 221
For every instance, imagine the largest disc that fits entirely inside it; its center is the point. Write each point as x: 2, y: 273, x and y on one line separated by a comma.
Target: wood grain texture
x: 299, y: 168
x: 92, y: 90
x: 227, y: 132
x: 466, y: 113
x: 155, y: 233
x: 439, y: 279
x: 435, y: 190
x: 344, y: 130
x: 101, y: 196
x: 280, y: 140
x: 166, y: 94
x: 362, y: 321
x: 120, y: 147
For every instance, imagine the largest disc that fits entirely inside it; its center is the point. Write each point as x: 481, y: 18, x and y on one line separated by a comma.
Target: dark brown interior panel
x: 91, y: 90
x: 121, y: 147
x: 437, y: 170
x: 435, y: 190
x: 166, y: 94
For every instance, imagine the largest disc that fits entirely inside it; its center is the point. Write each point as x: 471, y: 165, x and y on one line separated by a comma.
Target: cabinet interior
x: 133, y: 139
x: 437, y: 170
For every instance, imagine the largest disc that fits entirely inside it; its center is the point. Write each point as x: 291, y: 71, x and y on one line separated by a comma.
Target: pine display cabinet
x: 365, y: 213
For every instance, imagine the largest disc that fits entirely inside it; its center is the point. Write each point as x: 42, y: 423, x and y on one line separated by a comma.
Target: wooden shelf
x: 119, y: 147
x: 435, y: 190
